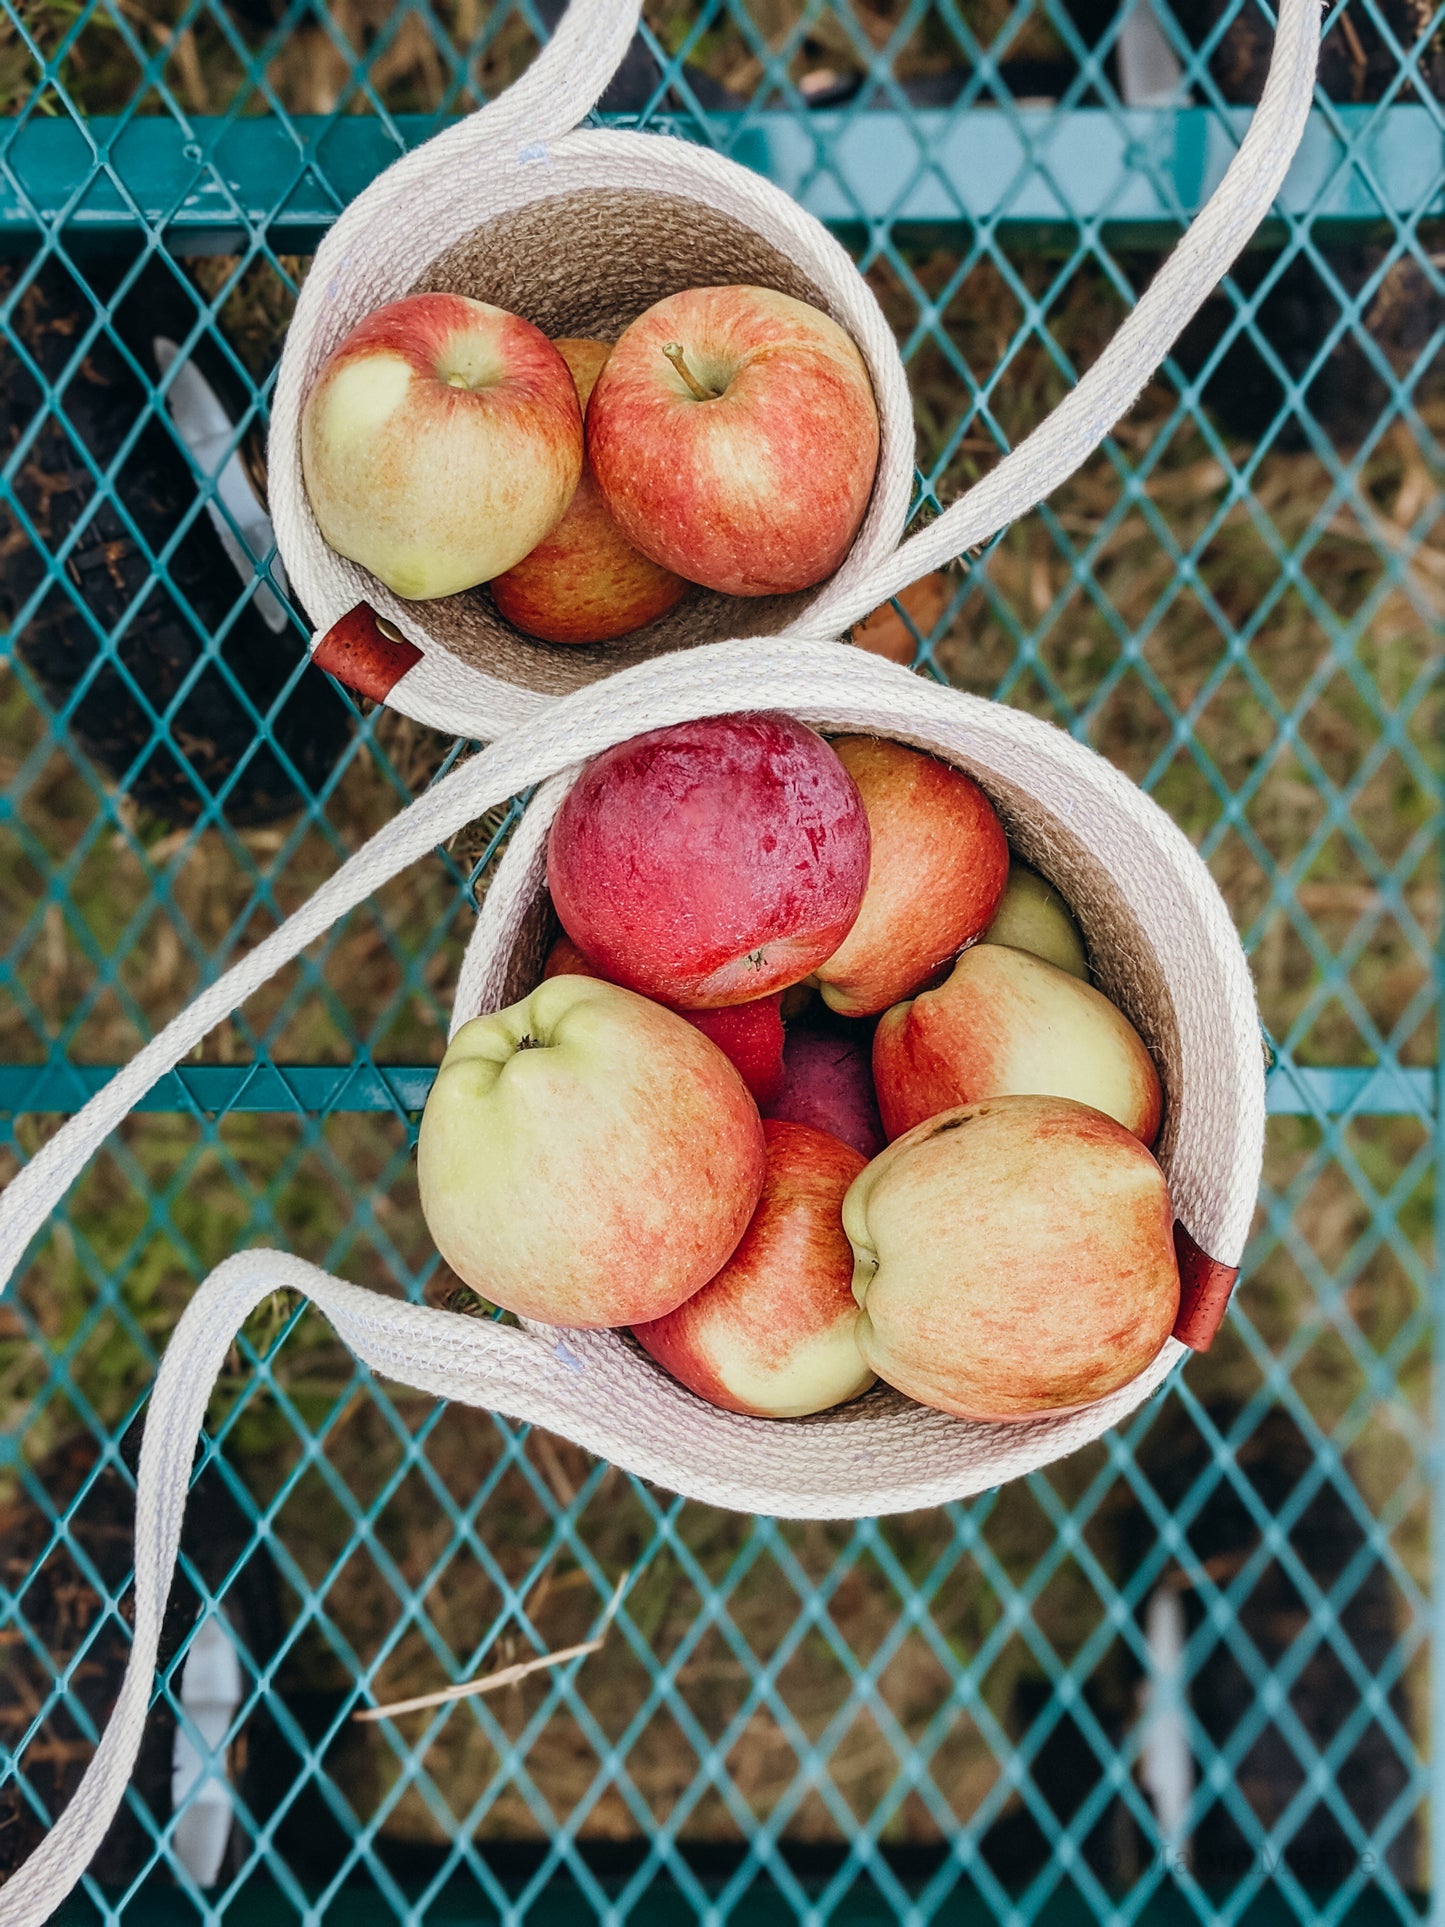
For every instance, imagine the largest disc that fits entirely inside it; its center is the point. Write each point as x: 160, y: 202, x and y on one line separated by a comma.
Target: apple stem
x: 673, y: 351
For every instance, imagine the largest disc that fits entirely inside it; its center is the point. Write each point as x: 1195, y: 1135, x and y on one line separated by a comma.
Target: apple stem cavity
x: 674, y: 353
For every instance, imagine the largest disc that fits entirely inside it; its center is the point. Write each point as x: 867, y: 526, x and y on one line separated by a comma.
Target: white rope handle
x: 560, y: 88
x: 188, y: 1370
x: 1087, y: 414
x: 500, y: 1361
x: 550, y: 99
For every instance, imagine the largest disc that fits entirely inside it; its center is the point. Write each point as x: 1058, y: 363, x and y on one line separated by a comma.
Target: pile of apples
x: 728, y: 439
x: 815, y: 1091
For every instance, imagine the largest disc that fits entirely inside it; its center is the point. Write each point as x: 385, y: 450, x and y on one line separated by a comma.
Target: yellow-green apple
x: 586, y: 1157
x: 440, y: 442
x: 735, y: 437
x: 772, y: 1334
x: 1008, y: 1024
x: 1013, y: 1258
x: 584, y: 581
x: 827, y: 1083
x: 712, y: 862
x: 937, y: 872
x: 750, y: 1036
x: 1033, y: 916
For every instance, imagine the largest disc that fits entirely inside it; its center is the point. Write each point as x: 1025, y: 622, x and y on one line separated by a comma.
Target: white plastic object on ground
x: 200, y: 1786
x: 1166, y: 1764
x: 209, y: 433
x: 1149, y: 69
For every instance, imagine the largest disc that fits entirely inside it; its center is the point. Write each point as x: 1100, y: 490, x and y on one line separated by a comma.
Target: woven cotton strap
x: 555, y: 94
x: 1105, y: 394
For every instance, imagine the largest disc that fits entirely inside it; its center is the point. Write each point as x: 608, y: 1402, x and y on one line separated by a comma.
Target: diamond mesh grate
x: 945, y: 1716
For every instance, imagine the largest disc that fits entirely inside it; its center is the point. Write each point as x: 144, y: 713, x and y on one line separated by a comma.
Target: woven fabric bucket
x: 1160, y: 937
x: 581, y: 229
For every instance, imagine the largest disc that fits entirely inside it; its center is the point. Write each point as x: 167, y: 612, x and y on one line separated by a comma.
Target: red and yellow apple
x: 937, y: 872
x: 772, y: 1333
x: 712, y: 862
x: 586, y: 1157
x: 1013, y: 1258
x: 1033, y: 916
x: 441, y: 441
x: 584, y: 581
x: 734, y: 435
x: 827, y: 1083
x: 1007, y: 1024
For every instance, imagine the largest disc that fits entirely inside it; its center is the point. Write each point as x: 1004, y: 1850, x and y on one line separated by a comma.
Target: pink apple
x: 938, y: 869
x: 713, y: 862
x: 584, y: 582
x: 750, y: 1036
x: 440, y: 443
x: 828, y: 1084
x: 586, y: 1157
x: 772, y: 1334
x: 1005, y: 1024
x: 1033, y: 916
x: 735, y: 437
x: 1013, y: 1258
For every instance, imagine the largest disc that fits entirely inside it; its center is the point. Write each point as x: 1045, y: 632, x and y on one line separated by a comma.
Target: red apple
x: 564, y: 959
x: 713, y: 862
x: 586, y: 1157
x: 1004, y: 1024
x: 750, y: 1036
x: 772, y: 1334
x: 828, y: 1085
x: 938, y: 869
x: 440, y: 443
x: 584, y: 582
x: 735, y: 437
x: 1013, y: 1258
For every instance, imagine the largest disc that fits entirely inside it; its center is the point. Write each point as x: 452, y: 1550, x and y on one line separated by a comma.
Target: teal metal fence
x: 1185, y: 1674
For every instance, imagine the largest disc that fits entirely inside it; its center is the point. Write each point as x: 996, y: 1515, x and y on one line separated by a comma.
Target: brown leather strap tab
x: 1204, y: 1288
x: 366, y: 652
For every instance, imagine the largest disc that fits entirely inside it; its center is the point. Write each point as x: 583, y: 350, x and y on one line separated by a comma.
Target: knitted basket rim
x: 1162, y: 946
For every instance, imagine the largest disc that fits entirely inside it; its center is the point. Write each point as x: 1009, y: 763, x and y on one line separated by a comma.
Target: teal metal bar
x: 1294, y: 1090
x: 211, y: 183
